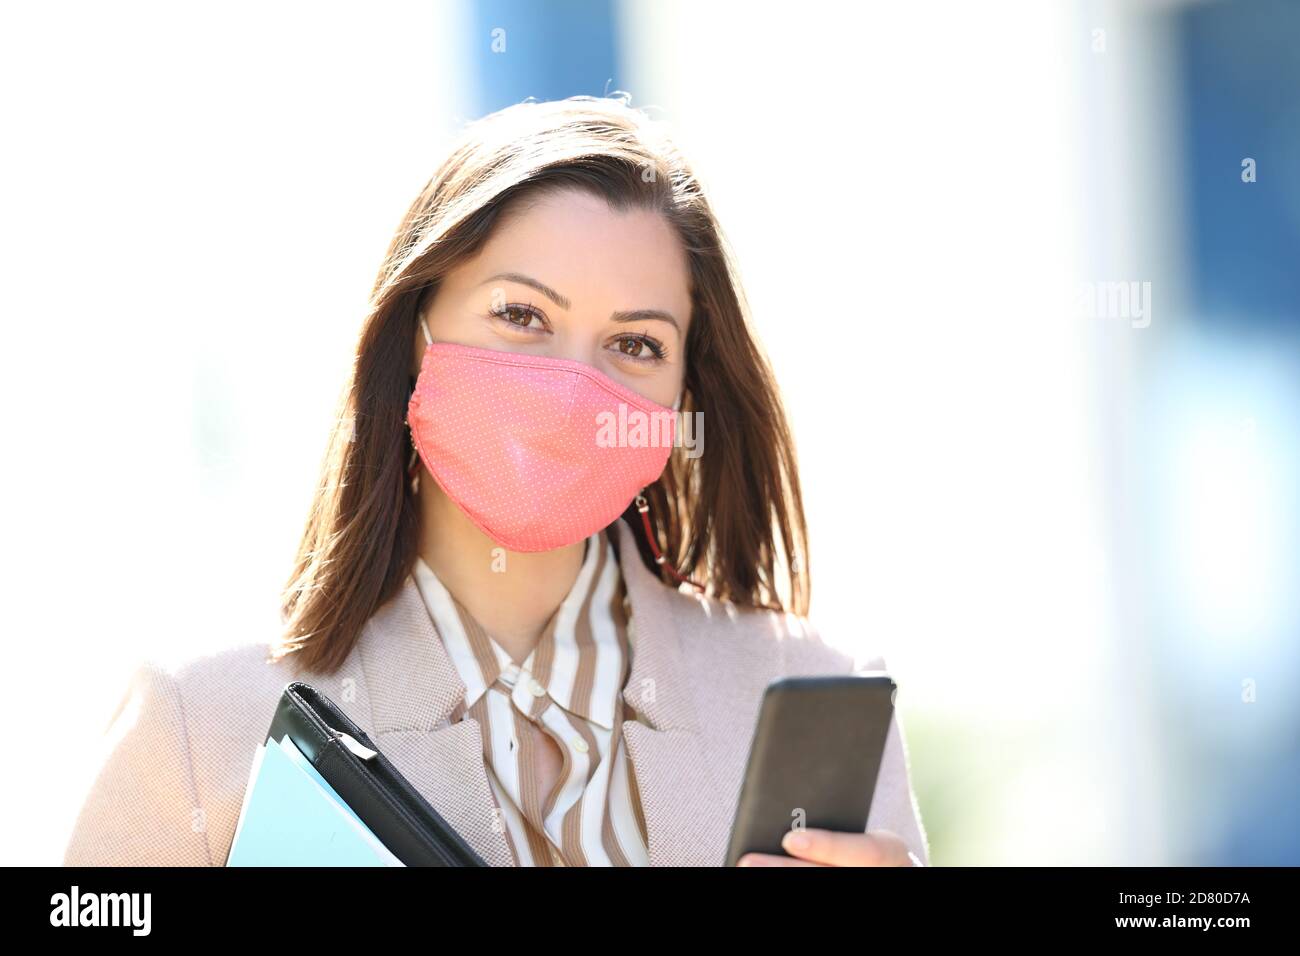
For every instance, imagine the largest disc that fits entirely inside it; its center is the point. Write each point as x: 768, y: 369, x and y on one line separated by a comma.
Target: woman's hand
x: 836, y: 848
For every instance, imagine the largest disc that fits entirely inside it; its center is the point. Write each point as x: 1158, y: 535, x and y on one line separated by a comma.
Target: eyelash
x: 658, y: 352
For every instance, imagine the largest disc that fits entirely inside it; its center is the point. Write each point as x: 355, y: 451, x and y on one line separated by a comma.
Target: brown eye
x: 521, y: 317
x: 517, y: 316
x: 631, y: 346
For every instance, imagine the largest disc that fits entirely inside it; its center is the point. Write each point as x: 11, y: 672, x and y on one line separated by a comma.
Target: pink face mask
x: 538, y: 452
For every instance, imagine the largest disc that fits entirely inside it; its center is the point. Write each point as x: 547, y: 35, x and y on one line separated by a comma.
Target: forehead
x: 596, y: 256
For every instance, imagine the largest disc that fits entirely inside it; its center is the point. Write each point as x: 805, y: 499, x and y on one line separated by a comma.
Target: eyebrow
x: 636, y: 315
x: 532, y: 283
x: 639, y: 315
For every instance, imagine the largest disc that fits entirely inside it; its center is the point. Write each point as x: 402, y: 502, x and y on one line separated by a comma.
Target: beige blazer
x: 171, y: 786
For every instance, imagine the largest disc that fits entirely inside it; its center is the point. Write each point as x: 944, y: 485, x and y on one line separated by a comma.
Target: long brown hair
x: 731, y: 518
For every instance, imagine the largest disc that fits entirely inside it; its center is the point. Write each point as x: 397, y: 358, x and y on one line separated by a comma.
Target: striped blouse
x: 570, y: 687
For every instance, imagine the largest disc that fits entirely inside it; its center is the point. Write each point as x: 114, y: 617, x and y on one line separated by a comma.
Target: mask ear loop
x: 643, y: 506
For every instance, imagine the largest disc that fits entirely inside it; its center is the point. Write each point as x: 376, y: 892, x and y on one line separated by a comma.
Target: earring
x: 412, y: 463
x: 413, y: 469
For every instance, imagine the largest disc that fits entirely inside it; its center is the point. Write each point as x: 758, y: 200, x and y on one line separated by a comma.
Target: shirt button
x: 580, y: 745
x: 536, y: 687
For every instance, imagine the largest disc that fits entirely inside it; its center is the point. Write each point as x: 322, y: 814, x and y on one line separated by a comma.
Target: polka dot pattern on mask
x: 539, y: 452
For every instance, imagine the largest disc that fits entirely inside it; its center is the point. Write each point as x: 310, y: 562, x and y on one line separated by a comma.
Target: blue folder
x: 292, y: 817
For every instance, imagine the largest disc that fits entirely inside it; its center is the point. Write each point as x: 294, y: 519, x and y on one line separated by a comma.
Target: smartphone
x: 814, y: 758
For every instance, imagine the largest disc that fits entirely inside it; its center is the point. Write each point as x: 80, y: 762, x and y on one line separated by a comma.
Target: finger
x: 840, y: 848
x: 772, y: 859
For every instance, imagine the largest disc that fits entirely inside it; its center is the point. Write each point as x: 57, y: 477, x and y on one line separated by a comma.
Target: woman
x: 555, y: 616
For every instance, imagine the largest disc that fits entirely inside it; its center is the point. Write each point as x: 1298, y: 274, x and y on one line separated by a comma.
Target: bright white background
x: 196, y: 201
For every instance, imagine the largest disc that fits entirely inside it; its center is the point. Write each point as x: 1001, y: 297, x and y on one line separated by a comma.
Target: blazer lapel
x: 413, y: 688
x: 687, y: 812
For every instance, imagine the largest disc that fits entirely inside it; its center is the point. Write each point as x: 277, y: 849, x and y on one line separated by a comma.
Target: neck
x: 512, y: 594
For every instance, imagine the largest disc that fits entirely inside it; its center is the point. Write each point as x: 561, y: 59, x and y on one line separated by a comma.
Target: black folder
x: 367, y: 780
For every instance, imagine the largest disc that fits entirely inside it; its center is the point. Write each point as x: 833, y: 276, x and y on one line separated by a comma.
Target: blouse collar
x: 579, y: 660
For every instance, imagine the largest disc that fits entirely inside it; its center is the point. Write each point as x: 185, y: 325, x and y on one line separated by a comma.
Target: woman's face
x: 565, y: 276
